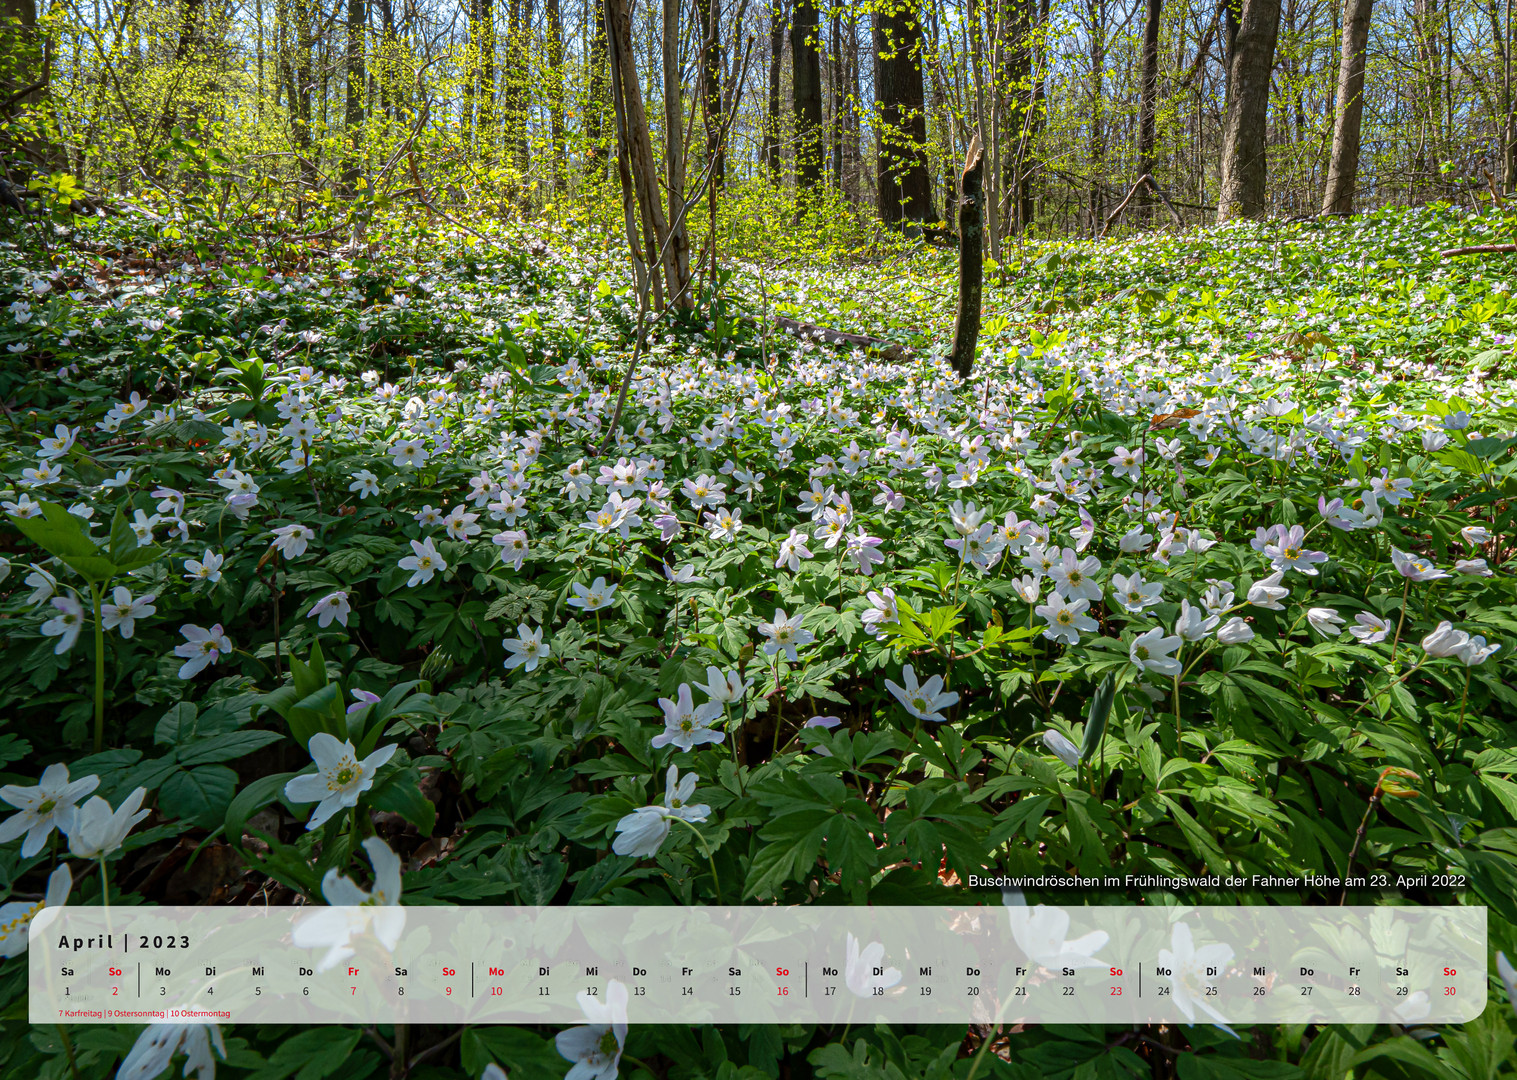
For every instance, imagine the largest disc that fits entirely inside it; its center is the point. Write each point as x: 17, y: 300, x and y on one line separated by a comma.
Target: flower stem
x: 68, y: 1051
x: 1464, y: 700
x: 1358, y: 838
x: 99, y: 671
x: 779, y: 704
x: 1178, y: 723
x: 1395, y: 642
x: 710, y: 856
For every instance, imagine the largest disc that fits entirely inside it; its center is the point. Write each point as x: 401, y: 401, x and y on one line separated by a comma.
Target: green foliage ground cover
x: 1252, y: 487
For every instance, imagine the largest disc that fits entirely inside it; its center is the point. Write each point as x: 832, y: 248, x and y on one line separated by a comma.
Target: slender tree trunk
x: 521, y: 80
x: 1424, y: 20
x: 353, y: 112
x: 632, y: 130
x: 1509, y: 136
x: 777, y: 27
x: 713, y: 61
x: 1149, y: 97
x: 1231, y: 15
x: 1027, y: 196
x: 966, y: 325
x: 1016, y: 80
x: 1243, y: 133
x: 677, y: 250
x: 636, y: 164
x: 806, y: 84
x: 1343, y: 164
x: 595, y: 87
x: 835, y: 120
x: 853, y: 150
x: 905, y: 184
x: 482, y: 33
x: 186, y: 55
x: 1097, y: 146
x: 300, y: 97
x: 555, y: 79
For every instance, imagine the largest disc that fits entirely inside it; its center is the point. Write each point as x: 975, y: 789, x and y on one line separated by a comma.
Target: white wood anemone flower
x: 47, y: 806
x: 156, y: 1046
x: 1189, y: 966
x: 1041, y: 933
x: 596, y: 1048
x: 355, y: 913
x: 859, y: 969
x: 641, y: 833
x: 16, y: 916
x: 340, y: 778
x: 923, y: 700
x: 98, y: 830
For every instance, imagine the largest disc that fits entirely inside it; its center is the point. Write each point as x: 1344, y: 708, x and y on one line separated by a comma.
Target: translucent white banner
x: 1234, y: 965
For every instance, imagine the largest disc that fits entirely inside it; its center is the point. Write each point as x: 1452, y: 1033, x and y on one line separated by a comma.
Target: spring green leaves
x: 66, y: 537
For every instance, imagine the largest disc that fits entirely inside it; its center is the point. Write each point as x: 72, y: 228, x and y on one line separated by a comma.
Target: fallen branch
x: 890, y: 350
x: 1479, y: 249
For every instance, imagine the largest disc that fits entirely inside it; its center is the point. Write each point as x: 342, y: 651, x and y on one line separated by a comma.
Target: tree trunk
x: 806, y: 84
x: 636, y: 148
x: 777, y: 23
x: 482, y: 37
x: 905, y: 184
x: 1026, y: 196
x: 301, y: 89
x: 1425, y: 27
x: 186, y: 49
x: 353, y: 112
x: 677, y: 247
x: 853, y: 149
x: 634, y: 157
x: 555, y: 78
x: 837, y: 98
x: 1148, y: 103
x: 1016, y: 80
x: 1243, y: 135
x: 1097, y: 148
x: 1508, y: 165
x: 1343, y: 165
x: 966, y: 324
x: 710, y: 13
x: 1231, y: 13
x: 515, y: 94
x: 595, y: 104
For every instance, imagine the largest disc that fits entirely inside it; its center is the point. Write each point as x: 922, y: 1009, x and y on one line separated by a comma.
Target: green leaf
x: 249, y: 801
x: 57, y: 532
x: 227, y: 747
x: 199, y: 796
x: 176, y: 725
x: 792, y: 845
x: 1201, y: 841
x: 1096, y: 718
x: 528, y: 1055
x: 1405, y: 1050
x: 313, y: 1054
x: 400, y: 793
x: 122, y: 541
x: 1218, y: 1067
x: 1021, y: 816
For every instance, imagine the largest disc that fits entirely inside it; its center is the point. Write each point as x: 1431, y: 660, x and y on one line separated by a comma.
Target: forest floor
x: 1206, y: 569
